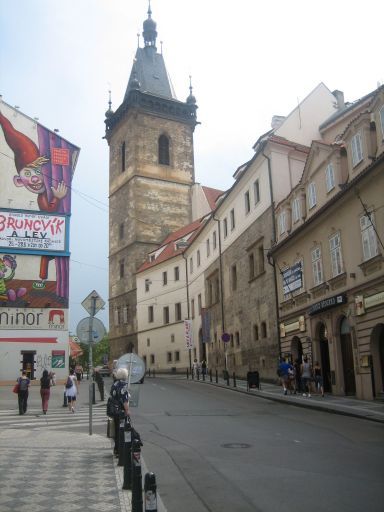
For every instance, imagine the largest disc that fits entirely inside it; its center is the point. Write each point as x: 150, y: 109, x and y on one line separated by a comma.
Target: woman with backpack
x: 71, y: 390
x: 45, y: 391
x: 22, y: 394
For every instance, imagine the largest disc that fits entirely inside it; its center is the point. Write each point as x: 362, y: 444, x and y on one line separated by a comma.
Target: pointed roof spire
x: 109, y: 112
x: 149, y: 29
x: 191, y: 100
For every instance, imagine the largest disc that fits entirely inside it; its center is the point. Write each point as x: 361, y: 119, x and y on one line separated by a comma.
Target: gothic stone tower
x: 151, y: 171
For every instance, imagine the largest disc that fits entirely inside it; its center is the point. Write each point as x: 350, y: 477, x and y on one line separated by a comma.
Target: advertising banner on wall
x: 292, y: 278
x: 29, y: 281
x: 37, y: 165
x: 33, y: 232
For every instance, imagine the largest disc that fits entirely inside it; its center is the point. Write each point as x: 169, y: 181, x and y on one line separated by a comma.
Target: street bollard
x: 187, y: 374
x: 217, y: 377
x: 127, y: 483
x: 93, y: 394
x: 137, y: 493
x: 234, y: 379
x: 210, y: 375
x: 203, y: 375
x: 65, y: 403
x: 121, y: 442
x: 150, y: 497
x: 198, y: 374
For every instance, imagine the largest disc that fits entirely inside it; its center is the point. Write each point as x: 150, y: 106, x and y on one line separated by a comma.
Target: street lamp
x: 182, y: 244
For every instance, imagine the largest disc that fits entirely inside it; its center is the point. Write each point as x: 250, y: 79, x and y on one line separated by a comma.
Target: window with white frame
x: 214, y: 240
x: 178, y: 311
x: 317, y: 266
x: 256, y: 191
x: 166, y: 315
x: 311, y: 195
x: 357, y: 149
x: 177, y: 273
x: 336, y: 257
x: 382, y: 121
x: 282, y: 222
x: 198, y: 259
x: 208, y: 246
x: 232, y: 217
x: 368, y: 237
x: 165, y: 278
x: 296, y: 210
x: 150, y: 314
x: 329, y: 177
x: 247, y: 202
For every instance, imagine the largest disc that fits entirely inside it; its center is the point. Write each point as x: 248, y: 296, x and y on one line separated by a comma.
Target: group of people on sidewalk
x: 199, y: 368
x: 47, y: 380
x: 300, y: 377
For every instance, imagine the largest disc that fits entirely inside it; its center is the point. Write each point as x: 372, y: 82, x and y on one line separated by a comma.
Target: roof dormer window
x: 357, y: 149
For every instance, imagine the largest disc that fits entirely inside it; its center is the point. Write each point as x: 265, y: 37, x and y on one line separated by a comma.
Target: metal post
x: 127, y: 484
x: 217, y: 377
x: 93, y: 394
x: 234, y: 379
x: 210, y: 374
x: 90, y: 362
x: 65, y: 402
x: 121, y: 442
x: 150, y: 492
x: 137, y: 495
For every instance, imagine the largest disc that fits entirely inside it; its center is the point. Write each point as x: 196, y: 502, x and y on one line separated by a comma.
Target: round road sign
x: 135, y: 366
x: 225, y: 337
x: 83, y: 330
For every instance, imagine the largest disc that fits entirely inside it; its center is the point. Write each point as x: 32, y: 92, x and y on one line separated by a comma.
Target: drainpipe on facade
x: 221, y: 291
x: 273, y: 241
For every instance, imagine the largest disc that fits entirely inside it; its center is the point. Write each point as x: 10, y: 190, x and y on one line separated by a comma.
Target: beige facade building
x: 329, y: 252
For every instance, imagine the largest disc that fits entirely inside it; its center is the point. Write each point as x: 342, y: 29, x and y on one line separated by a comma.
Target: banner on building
x: 33, y: 232
x: 58, y: 358
x: 206, y: 324
x: 30, y: 281
x: 292, y: 278
x: 188, y: 334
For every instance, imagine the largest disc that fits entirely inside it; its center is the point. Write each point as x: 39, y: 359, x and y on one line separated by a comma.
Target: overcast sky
x: 248, y: 59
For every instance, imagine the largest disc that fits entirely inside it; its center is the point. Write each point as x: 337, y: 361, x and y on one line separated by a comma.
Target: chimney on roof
x: 339, y: 95
x: 277, y: 121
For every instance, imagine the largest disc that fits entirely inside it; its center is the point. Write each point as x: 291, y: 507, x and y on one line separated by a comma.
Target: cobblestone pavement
x: 42, y: 470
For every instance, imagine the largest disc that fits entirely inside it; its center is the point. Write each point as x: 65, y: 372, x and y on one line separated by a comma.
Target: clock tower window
x: 163, y: 150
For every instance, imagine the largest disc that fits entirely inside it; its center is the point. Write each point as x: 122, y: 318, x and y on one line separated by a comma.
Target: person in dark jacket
x: 23, y: 393
x: 119, y: 391
x: 45, y: 390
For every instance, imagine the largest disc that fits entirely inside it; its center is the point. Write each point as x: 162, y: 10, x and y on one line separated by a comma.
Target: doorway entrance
x: 28, y: 362
x: 324, y: 356
x: 347, y: 357
x: 296, y: 349
x: 377, y: 360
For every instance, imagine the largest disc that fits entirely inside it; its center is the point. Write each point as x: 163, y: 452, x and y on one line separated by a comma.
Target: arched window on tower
x: 163, y: 150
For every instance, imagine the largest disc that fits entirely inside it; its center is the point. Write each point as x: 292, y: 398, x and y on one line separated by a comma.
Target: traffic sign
x: 135, y: 366
x: 225, y: 337
x: 93, y: 303
x: 83, y: 330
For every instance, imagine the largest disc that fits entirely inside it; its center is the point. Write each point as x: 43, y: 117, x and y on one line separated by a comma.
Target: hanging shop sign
x: 329, y: 303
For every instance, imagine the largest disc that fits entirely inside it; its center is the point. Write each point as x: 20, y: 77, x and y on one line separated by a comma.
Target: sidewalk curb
x: 304, y: 405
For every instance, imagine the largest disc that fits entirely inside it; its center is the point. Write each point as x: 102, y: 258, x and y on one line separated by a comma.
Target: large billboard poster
x: 37, y: 165
x: 30, y: 281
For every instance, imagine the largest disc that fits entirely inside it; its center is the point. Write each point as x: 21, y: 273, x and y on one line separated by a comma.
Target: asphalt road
x: 213, y: 449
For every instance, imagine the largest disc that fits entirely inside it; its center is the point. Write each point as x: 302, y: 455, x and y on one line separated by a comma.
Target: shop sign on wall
x: 33, y: 231
x: 292, y: 278
x: 58, y: 358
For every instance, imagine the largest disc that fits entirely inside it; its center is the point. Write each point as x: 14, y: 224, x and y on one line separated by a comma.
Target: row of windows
x: 369, y: 246
x: 121, y: 315
x: 226, y: 226
x: 170, y: 357
x: 166, y: 316
x: 163, y: 144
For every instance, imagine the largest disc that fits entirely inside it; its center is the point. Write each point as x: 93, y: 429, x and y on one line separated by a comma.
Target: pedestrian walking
x: 204, y: 367
x: 119, y: 394
x: 318, y: 376
x: 283, y: 372
x: 296, y: 366
x: 306, y: 377
x: 45, y: 390
x: 22, y: 394
x: 79, y: 372
x: 195, y: 368
x: 71, y: 390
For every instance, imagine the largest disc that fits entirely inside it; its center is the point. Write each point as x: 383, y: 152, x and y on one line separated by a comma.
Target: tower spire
x: 149, y: 29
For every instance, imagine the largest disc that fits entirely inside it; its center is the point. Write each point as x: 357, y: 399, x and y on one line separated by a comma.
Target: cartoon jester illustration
x: 7, y: 272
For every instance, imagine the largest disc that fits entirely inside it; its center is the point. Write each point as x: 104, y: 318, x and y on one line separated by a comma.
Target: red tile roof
x: 212, y: 195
